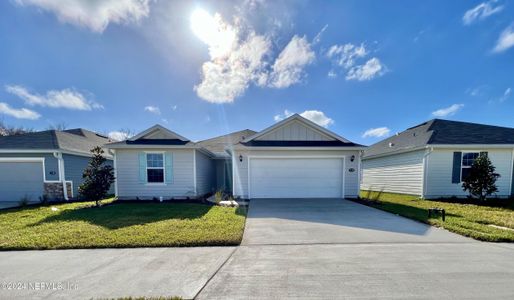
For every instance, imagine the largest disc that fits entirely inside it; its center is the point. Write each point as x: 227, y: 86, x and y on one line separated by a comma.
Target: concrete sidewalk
x: 111, y: 273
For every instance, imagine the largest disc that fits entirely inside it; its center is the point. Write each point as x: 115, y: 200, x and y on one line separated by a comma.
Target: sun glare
x: 211, y: 30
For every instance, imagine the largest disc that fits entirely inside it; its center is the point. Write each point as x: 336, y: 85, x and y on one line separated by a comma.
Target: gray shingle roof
x: 76, y: 140
x: 443, y: 132
x: 217, y: 145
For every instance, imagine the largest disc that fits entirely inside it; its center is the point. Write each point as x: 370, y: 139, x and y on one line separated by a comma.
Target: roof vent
x: 397, y: 133
x: 391, y: 144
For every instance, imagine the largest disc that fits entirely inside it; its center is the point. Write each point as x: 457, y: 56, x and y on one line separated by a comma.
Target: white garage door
x: 20, y: 179
x: 296, y: 178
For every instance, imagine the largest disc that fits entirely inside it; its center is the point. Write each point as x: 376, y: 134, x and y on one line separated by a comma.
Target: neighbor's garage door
x: 296, y: 178
x: 18, y: 179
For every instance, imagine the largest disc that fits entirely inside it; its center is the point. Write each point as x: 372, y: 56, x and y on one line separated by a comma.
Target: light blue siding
x: 205, y: 174
x: 128, y: 173
x: 51, y: 163
x: 74, y: 166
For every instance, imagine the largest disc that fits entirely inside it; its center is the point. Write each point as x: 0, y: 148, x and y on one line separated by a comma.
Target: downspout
x: 113, y: 153
x: 62, y: 176
x: 425, y: 176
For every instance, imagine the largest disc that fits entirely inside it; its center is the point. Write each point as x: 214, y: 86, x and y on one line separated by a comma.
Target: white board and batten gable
x: 296, y: 158
x: 296, y: 128
x: 158, y: 132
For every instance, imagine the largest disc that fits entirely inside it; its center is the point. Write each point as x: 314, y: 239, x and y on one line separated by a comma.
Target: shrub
x: 98, y: 178
x: 24, y: 201
x: 43, y: 199
x: 481, y: 181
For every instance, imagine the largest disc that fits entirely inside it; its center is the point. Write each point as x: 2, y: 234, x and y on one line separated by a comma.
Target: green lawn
x: 465, y: 219
x: 79, y: 225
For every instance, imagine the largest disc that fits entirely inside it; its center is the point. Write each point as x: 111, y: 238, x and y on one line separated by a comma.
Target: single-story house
x: 431, y: 159
x: 294, y: 158
x: 161, y: 163
x: 44, y: 163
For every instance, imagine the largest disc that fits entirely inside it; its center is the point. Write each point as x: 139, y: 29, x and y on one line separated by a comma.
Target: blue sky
x: 205, y: 68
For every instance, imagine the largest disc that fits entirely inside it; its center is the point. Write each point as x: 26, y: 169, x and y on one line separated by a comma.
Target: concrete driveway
x: 337, y: 249
x: 333, y: 221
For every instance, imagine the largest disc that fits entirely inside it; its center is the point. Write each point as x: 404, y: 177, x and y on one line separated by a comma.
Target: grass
x: 466, y: 219
x: 80, y: 225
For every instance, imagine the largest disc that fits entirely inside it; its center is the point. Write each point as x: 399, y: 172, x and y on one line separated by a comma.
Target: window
x: 468, y: 158
x: 155, y: 167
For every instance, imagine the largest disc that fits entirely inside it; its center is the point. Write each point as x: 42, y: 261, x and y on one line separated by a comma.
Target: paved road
x: 333, y: 249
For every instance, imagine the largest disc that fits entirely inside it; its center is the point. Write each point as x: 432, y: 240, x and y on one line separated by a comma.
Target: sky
x: 363, y: 69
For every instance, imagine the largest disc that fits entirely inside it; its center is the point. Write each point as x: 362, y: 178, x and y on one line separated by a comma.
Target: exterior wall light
x: 240, y: 158
x: 352, y: 158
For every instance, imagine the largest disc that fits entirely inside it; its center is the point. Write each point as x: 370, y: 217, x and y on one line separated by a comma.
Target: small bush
x: 43, y: 199
x: 24, y: 201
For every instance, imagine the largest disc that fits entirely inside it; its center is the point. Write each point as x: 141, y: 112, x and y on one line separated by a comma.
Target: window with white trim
x: 468, y: 158
x: 155, y: 167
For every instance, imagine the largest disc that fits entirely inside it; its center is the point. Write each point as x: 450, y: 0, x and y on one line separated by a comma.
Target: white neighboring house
x: 431, y: 159
x: 161, y: 163
x: 296, y: 158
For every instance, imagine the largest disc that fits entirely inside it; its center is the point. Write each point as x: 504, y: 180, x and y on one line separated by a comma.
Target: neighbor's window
x: 468, y: 158
x: 155, y: 167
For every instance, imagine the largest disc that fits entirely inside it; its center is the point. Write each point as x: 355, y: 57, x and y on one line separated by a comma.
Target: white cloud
x: 376, y: 132
x: 95, y: 15
x: 345, y: 55
x: 481, y: 11
x: 22, y: 113
x: 371, y: 69
x: 66, y: 98
x: 227, y: 78
x: 350, y: 58
x: 315, y: 116
x: 119, y: 135
x: 506, y: 95
x: 174, y: 107
x: 318, y: 36
x: 448, y: 111
x: 506, y: 40
x: 288, y: 68
x: 153, y: 109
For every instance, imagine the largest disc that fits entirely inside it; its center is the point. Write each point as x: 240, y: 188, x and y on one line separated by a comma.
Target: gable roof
x: 218, y: 144
x: 443, y: 132
x: 157, y: 128
x: 168, y: 139
x: 337, y: 141
x: 74, y: 140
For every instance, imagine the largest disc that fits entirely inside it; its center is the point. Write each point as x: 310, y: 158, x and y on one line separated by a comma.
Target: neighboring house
x: 296, y: 158
x: 432, y: 159
x: 220, y: 147
x: 161, y: 163
x: 43, y: 163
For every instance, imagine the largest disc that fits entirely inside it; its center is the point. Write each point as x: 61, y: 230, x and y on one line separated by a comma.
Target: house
x: 220, y: 147
x: 431, y: 159
x: 294, y: 158
x: 161, y: 163
x: 43, y: 163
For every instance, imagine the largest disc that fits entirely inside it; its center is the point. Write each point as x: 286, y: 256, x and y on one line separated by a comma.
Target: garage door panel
x: 19, y: 179
x: 296, y: 177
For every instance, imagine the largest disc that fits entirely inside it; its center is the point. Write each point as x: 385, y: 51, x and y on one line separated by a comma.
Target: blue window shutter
x: 142, y: 167
x: 457, y: 160
x: 168, y: 167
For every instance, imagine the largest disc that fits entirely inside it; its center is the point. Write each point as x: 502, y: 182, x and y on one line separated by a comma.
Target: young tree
x: 98, y: 177
x: 481, y: 181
